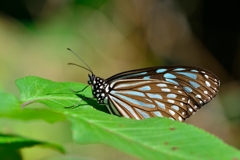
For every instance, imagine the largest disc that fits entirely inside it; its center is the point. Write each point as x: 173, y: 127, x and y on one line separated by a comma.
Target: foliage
x: 154, y: 138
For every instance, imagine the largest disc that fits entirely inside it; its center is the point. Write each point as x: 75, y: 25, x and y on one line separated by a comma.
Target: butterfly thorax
x: 98, y: 88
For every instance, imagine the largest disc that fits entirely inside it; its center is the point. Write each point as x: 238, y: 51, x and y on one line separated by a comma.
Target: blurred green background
x: 114, y: 36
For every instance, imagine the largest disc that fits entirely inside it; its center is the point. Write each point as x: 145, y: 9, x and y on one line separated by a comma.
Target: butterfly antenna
x: 74, y: 64
x: 88, y: 68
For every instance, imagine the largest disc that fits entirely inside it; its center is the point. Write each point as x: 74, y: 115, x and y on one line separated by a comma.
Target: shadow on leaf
x: 92, y: 102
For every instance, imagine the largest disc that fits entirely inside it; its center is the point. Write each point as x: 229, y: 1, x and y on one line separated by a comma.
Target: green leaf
x: 150, y: 138
x: 70, y: 158
x: 17, y: 142
x: 10, y: 107
x: 6, y: 153
x: 8, y: 103
x: 55, y: 95
x: 154, y: 138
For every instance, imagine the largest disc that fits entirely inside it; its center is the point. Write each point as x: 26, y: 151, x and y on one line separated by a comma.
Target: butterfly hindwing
x: 140, y: 99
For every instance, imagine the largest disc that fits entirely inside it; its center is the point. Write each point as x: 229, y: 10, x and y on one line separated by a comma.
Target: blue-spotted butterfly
x: 175, y: 92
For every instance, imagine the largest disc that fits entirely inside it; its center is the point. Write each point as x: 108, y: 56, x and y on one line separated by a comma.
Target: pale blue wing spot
x: 198, y: 96
x: 144, y: 114
x: 130, y: 84
x: 129, y: 92
x: 161, y: 105
x: 169, y: 75
x: 172, y: 81
x: 157, y: 113
x: 142, y: 73
x: 166, y: 90
x: 193, y: 70
x: 179, y: 69
x: 171, y: 95
x: 190, y: 75
x: 187, y: 89
x: 194, y: 84
x: 175, y: 107
x: 161, y: 85
x: 207, y: 83
x: 170, y: 101
x: 134, y: 101
x: 144, y: 88
x: 149, y: 100
x: 132, y: 75
x: 146, y: 77
x: 161, y: 70
x: 156, y: 96
x: 172, y: 112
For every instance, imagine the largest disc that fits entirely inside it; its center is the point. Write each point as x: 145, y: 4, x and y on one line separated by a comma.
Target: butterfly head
x: 99, y: 87
x: 91, y: 79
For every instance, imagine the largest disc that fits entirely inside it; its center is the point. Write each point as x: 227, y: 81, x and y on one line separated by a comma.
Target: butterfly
x: 174, y: 92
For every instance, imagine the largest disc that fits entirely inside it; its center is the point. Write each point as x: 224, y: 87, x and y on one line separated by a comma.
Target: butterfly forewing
x: 174, y: 92
x: 200, y: 84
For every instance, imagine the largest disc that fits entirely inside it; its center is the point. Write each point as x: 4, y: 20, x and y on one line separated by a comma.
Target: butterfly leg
x: 78, y: 103
x: 79, y: 90
x: 74, y: 106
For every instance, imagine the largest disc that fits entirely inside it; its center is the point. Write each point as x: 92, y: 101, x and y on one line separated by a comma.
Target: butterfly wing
x: 183, y: 90
x: 200, y: 84
x: 140, y: 99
